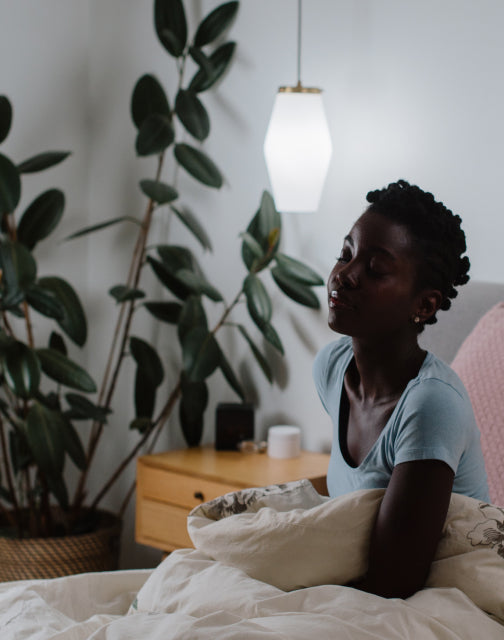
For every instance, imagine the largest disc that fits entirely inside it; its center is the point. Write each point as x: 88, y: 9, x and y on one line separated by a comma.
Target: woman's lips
x: 338, y: 301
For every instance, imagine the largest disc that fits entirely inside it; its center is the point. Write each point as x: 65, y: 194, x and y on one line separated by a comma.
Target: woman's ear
x: 429, y: 303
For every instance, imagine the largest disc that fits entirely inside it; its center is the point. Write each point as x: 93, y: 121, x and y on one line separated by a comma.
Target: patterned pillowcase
x: 480, y: 365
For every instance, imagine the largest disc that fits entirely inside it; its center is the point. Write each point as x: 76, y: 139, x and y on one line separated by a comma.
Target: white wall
x: 411, y: 90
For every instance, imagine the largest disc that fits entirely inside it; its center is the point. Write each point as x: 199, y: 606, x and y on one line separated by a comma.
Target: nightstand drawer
x: 162, y: 525
x: 178, y: 489
x: 171, y: 483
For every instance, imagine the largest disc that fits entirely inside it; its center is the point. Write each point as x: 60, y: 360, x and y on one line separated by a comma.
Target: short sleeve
x: 435, y: 420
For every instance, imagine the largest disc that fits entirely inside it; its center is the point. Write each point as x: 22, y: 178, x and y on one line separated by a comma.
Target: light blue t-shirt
x: 433, y: 420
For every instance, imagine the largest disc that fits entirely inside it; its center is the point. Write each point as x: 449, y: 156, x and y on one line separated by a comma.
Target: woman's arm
x: 408, y: 528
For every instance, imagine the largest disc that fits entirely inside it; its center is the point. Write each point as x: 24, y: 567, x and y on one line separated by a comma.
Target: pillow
x: 480, y: 365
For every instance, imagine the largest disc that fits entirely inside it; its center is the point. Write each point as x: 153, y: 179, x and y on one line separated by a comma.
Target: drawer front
x: 161, y: 525
x: 177, y: 489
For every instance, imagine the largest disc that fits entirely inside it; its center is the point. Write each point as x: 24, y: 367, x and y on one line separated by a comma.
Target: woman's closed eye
x: 378, y: 267
x: 345, y: 256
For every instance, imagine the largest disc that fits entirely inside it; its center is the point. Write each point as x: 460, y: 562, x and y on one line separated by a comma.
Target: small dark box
x: 234, y: 422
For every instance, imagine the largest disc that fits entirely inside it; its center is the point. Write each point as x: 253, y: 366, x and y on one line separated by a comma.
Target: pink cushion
x: 480, y: 365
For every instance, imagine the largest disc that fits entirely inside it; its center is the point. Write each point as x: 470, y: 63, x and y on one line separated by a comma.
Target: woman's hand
x: 408, y: 528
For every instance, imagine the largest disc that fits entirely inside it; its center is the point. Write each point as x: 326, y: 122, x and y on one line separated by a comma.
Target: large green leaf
x: 201, y: 59
x: 73, y: 445
x: 164, y: 311
x: 74, y: 322
x: 102, y: 225
x: 167, y: 278
x: 122, y: 293
x: 21, y: 369
x: 142, y: 425
x: 231, y: 377
x: 41, y: 217
x: 260, y: 358
x: 258, y: 300
x: 10, y: 288
x: 65, y: 371
x: 191, y: 222
x: 148, y: 97
x: 265, y: 227
x: 81, y: 408
x: 22, y: 263
x: 19, y: 448
x: 184, y: 267
x: 192, y: 315
x: 45, y: 302
x: 171, y: 25
x: 219, y: 60
x: 147, y: 359
x: 10, y: 186
x: 298, y: 270
x: 200, y: 354
x: 56, y: 342
x: 42, y: 161
x: 5, y: 117
x: 192, y: 114
x: 198, y: 284
x: 294, y: 289
x: 155, y: 135
x: 215, y: 23
x: 271, y: 335
x: 149, y: 375
x: 158, y: 191
x: 193, y: 402
x: 176, y: 257
x: 46, y: 434
x: 199, y: 165
x: 25, y: 265
x: 45, y: 438
x: 252, y: 245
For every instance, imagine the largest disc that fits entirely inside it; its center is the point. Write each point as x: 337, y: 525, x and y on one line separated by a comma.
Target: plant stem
x: 29, y: 332
x: 227, y: 311
x: 158, y: 423
x: 7, y: 325
x: 121, y: 336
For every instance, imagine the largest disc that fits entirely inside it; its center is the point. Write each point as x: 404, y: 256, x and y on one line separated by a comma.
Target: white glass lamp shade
x: 297, y: 150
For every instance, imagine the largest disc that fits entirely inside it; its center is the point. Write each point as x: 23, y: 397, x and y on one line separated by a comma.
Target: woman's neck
x: 381, y: 371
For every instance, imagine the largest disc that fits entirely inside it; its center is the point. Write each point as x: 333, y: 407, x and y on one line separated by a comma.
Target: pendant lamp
x: 297, y: 147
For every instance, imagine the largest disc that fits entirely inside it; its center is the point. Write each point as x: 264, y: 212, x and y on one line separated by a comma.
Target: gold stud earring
x: 416, y: 319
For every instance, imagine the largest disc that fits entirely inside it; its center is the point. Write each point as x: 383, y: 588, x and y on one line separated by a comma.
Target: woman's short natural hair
x: 439, y: 239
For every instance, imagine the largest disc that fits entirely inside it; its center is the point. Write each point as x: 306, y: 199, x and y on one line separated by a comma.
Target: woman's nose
x: 347, y: 277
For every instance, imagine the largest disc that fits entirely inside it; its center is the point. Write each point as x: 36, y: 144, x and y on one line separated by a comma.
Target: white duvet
x: 269, y: 564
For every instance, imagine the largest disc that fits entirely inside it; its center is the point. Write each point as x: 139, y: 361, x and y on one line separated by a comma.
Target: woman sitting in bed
x: 402, y: 418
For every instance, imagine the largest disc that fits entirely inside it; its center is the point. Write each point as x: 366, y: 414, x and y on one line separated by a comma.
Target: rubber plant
x: 41, y: 387
x: 160, y: 123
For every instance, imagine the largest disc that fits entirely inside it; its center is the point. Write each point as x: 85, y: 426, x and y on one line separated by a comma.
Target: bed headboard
x: 453, y: 326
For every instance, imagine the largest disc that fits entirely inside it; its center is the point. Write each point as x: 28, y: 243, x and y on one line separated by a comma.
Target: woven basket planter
x: 32, y: 558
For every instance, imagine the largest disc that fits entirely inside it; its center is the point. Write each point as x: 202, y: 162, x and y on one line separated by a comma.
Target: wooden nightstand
x: 170, y: 484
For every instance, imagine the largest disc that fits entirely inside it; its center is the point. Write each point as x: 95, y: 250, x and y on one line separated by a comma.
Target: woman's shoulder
x: 438, y: 376
x: 438, y: 395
